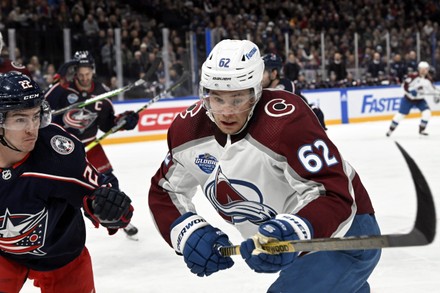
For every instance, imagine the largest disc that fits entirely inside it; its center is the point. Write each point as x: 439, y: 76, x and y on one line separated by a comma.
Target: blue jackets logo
x: 206, y: 163
x: 23, y: 233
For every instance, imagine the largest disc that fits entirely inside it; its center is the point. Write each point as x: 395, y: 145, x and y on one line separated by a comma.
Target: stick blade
x: 425, y: 225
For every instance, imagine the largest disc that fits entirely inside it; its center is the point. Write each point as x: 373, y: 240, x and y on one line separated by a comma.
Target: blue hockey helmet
x: 272, y: 61
x: 18, y: 91
x: 84, y: 58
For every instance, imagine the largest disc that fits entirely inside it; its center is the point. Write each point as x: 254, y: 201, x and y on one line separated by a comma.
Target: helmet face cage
x: 232, y: 65
x: 18, y: 92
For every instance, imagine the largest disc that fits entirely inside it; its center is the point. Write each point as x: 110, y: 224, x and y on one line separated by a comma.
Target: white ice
x: 151, y: 266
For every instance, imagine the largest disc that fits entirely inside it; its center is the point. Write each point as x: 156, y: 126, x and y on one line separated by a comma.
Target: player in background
x: 272, y: 79
x: 268, y: 167
x: 85, y: 122
x: 416, y: 87
x: 45, y: 182
x: 7, y: 65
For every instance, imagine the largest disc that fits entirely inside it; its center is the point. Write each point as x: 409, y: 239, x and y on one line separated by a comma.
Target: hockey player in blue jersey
x: 76, y: 83
x: 45, y: 184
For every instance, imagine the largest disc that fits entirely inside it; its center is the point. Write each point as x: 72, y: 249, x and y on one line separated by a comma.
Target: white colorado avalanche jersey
x: 423, y: 86
x: 282, y: 162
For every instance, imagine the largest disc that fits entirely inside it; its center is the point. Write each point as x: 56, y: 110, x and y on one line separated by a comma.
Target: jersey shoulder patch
x: 62, y: 144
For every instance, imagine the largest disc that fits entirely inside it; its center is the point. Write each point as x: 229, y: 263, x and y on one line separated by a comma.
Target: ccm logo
x: 158, y: 119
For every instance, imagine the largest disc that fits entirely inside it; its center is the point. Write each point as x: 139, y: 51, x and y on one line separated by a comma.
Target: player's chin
x: 28, y: 145
x: 229, y: 128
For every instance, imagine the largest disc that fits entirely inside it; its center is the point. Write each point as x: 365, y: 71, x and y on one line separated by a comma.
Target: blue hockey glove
x: 109, y: 207
x: 413, y: 93
x: 283, y: 227
x: 199, y: 243
x: 131, y: 119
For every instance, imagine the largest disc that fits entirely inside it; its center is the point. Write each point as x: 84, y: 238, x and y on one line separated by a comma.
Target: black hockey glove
x: 109, y: 207
x: 131, y: 119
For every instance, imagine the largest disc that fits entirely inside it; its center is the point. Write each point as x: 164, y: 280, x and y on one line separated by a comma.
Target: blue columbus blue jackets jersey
x: 41, y: 221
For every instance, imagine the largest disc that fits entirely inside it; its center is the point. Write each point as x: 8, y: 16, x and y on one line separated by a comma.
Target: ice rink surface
x: 149, y: 265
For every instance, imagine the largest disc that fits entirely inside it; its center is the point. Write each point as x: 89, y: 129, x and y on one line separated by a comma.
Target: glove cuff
x: 301, y: 227
x: 183, y: 227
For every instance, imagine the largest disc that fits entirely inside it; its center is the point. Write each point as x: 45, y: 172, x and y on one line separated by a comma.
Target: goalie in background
x: 417, y: 87
x: 267, y: 166
x: 46, y: 182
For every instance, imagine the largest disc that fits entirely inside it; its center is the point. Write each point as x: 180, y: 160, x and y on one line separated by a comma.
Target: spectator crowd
x: 39, y: 28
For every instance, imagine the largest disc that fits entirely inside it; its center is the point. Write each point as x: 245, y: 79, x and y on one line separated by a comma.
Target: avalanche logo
x: 80, y: 119
x: 206, y: 163
x: 278, y: 108
x: 23, y: 233
x: 191, y: 110
x: 228, y: 198
x: 62, y: 144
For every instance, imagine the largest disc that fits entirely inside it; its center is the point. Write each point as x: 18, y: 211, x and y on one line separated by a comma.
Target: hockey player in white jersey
x: 417, y: 87
x: 267, y: 166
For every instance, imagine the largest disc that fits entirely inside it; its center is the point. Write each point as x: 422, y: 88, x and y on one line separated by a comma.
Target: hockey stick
x: 122, y: 122
x: 423, y: 232
x: 112, y: 93
x: 131, y: 232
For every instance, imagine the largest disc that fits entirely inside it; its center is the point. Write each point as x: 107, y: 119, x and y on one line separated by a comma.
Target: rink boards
x: 340, y: 106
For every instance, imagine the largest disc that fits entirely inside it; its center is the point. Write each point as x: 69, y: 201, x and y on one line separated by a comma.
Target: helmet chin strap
x: 5, y: 143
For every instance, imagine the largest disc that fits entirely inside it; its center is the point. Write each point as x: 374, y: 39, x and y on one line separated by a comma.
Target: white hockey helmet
x: 233, y: 65
x: 423, y: 64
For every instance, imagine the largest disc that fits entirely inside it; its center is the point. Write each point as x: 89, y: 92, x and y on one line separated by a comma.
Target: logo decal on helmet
x: 62, y: 144
x: 251, y: 53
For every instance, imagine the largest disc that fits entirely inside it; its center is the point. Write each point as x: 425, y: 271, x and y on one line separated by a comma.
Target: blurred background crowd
x: 323, y: 44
